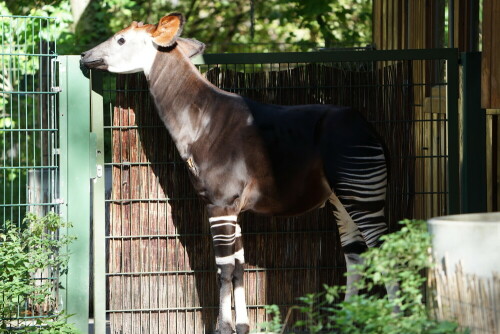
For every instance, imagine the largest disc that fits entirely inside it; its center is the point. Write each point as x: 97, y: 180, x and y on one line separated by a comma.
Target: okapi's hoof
x: 242, y: 329
x: 225, y: 328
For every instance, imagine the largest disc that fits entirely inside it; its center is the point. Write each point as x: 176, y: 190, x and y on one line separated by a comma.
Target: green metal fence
x: 28, y: 119
x: 159, y: 275
x: 44, y: 160
x: 77, y: 169
x: 29, y: 140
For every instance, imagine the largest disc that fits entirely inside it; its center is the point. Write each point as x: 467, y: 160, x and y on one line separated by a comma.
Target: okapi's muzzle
x: 91, y: 62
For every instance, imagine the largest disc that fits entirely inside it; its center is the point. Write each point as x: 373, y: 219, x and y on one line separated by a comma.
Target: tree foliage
x: 271, y: 24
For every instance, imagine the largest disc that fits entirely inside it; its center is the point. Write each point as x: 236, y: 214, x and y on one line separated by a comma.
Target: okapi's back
x: 305, y: 146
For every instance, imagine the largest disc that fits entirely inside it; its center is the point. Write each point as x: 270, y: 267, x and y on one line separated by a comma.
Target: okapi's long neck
x: 184, y: 99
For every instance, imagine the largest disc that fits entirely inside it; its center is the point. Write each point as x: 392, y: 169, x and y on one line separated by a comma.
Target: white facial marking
x: 129, y: 52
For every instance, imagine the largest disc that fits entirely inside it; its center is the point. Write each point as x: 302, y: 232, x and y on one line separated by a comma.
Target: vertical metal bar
x: 16, y: 161
x: 453, y: 135
x: 98, y: 205
x: 451, y: 23
x: 75, y: 185
x: 473, y: 25
x: 3, y: 136
x: 473, y: 176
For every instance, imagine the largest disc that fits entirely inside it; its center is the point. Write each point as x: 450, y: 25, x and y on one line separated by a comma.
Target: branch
x: 77, y: 9
x: 325, y: 31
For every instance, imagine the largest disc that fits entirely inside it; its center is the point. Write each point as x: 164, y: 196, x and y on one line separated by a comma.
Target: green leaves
x: 26, y: 254
x: 301, y: 24
x: 275, y: 325
x: 342, y: 23
x: 403, y: 258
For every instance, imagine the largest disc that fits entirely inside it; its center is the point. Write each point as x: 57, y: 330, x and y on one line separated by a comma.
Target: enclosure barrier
x: 44, y: 161
x: 29, y: 143
x: 159, y: 273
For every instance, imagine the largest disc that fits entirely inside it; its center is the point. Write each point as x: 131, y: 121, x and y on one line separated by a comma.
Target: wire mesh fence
x: 160, y: 268
x: 28, y: 141
x: 28, y: 120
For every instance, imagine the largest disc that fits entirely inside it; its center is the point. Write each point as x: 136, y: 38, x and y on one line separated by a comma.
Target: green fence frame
x: 82, y: 158
x: 473, y: 173
x: 75, y: 169
x: 98, y: 203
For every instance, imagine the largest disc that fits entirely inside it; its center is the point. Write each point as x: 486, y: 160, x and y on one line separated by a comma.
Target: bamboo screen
x: 161, y: 274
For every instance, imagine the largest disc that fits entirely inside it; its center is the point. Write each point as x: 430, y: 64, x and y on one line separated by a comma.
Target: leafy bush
x: 402, y: 258
x: 25, y: 252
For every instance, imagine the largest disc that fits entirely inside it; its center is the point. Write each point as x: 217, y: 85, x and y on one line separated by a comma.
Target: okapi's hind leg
x: 229, y: 258
x: 352, y: 243
x: 354, y: 240
x: 359, y: 181
x: 360, y: 187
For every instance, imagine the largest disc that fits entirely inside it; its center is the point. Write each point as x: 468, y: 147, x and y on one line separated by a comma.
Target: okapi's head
x: 134, y: 48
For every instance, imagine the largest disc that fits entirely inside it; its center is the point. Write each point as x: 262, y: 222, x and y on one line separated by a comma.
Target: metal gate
x: 152, y: 247
x: 28, y: 133
x: 34, y: 163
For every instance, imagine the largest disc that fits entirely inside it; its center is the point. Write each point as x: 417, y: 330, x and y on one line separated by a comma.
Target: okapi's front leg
x: 229, y: 257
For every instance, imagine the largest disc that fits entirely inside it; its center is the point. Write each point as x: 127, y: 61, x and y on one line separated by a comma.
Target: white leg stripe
x: 222, y: 224
x: 230, y: 259
x: 240, y: 306
x: 216, y: 219
x: 240, y: 256
x: 229, y: 243
x: 225, y: 304
x: 224, y: 237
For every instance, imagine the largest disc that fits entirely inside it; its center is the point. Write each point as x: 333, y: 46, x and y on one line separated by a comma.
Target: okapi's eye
x: 121, y: 41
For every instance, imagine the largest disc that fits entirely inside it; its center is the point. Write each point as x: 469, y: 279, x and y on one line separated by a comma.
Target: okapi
x: 248, y: 156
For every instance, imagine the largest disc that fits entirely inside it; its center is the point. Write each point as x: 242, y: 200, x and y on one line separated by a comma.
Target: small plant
x: 275, y: 325
x: 25, y: 252
x: 402, y: 258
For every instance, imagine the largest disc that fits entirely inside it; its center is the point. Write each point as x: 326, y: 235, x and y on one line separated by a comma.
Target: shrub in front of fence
x: 32, y: 257
x: 403, y: 258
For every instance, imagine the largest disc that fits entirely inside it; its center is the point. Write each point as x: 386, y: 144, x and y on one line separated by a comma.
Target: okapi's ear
x: 191, y: 47
x: 168, y: 29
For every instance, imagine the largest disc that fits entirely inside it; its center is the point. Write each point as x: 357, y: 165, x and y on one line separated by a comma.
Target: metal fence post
x: 74, y: 120
x: 473, y: 176
x: 98, y: 206
x: 453, y: 133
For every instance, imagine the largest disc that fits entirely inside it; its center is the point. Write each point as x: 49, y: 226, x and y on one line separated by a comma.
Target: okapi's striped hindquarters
x: 247, y: 156
x: 359, y: 187
x: 359, y: 201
